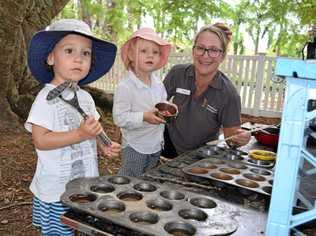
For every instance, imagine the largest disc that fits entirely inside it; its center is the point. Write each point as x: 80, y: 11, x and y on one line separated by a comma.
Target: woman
x: 206, y: 98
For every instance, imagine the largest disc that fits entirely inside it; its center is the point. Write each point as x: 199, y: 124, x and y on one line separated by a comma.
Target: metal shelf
x: 292, y: 150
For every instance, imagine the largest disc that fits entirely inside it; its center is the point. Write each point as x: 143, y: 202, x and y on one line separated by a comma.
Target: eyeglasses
x: 211, y: 52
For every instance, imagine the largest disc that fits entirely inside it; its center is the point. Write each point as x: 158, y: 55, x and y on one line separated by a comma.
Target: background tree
x: 237, y: 14
x: 284, y: 23
x: 19, y: 20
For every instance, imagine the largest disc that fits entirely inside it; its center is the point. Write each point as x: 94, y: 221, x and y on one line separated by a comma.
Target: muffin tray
x: 231, y: 154
x: 242, y: 175
x: 149, y: 208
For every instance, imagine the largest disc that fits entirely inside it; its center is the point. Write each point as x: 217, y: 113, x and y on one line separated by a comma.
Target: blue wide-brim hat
x: 43, y: 42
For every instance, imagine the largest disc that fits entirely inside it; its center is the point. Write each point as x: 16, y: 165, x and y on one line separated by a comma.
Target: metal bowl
x: 180, y: 228
x: 159, y: 204
x: 198, y: 170
x: 167, y: 110
x: 260, y: 162
x: 83, y: 198
x: 172, y: 195
x: 144, y: 218
x: 247, y: 183
x: 193, y: 214
x: 221, y: 176
x: 203, y: 202
x: 145, y: 187
x: 111, y: 206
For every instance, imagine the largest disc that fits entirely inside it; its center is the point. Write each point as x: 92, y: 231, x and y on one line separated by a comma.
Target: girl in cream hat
x: 135, y: 99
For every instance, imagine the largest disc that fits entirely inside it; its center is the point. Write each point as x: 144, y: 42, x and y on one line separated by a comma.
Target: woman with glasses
x: 207, y: 100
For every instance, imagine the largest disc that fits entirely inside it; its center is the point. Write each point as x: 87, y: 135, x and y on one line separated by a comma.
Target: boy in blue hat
x: 65, y: 143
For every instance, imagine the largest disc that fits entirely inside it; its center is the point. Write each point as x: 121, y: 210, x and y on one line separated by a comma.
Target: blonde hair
x: 222, y: 32
x: 132, y: 54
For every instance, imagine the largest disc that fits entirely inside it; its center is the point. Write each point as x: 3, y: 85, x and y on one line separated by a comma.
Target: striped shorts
x: 135, y: 164
x: 46, y: 217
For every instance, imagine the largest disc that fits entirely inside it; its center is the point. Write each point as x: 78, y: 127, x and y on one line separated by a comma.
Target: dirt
x: 17, y: 166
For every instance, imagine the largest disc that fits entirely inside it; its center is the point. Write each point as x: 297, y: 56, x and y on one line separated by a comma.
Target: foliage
x: 282, y: 24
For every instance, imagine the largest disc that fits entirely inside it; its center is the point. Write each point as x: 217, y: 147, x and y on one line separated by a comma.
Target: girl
x: 135, y: 99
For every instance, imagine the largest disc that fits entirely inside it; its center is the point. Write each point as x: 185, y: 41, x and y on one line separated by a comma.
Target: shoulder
x: 84, y: 95
x: 127, y: 79
x: 125, y: 84
x: 180, y: 72
x: 181, y: 68
x: 42, y: 94
x: 227, y: 83
x: 84, y: 92
x: 156, y: 78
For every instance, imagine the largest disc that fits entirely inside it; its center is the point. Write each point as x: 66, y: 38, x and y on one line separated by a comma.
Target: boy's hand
x: 90, y: 128
x: 112, y: 151
x: 152, y: 118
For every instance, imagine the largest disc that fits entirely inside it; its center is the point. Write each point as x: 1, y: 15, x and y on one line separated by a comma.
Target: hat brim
x: 164, y: 49
x: 43, y: 43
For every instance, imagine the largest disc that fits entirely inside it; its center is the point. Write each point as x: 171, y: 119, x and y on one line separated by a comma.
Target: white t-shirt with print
x: 58, y: 166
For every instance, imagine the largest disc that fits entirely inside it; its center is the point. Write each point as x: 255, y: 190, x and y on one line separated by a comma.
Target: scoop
x: 167, y: 110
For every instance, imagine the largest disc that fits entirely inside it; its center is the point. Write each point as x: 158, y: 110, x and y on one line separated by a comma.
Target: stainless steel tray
x: 149, y: 208
x: 232, y: 154
x: 231, y: 172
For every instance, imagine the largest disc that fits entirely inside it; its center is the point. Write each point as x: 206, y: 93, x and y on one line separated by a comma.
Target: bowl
x: 263, y: 155
x: 167, y: 110
x: 269, y: 138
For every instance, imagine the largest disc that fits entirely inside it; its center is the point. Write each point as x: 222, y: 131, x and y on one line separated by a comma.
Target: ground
x: 17, y: 166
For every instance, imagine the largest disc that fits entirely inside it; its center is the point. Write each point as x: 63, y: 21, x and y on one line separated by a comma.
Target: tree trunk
x: 20, y: 20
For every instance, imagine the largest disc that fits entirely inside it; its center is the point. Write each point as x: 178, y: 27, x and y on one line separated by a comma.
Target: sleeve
x: 231, y: 112
x: 93, y: 109
x: 164, y: 93
x: 122, y: 109
x: 41, y: 114
x: 170, y: 83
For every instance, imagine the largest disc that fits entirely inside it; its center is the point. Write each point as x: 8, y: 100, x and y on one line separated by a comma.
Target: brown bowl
x: 167, y: 110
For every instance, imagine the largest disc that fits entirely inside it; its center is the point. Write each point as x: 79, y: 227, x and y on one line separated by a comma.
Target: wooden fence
x: 252, y: 76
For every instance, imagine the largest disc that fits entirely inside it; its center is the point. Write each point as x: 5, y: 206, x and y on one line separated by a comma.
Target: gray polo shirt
x: 200, y: 119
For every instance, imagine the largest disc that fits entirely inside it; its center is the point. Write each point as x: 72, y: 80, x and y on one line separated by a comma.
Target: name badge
x: 183, y: 91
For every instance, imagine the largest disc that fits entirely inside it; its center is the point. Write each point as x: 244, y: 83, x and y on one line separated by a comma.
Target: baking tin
x: 240, y: 174
x: 149, y: 208
x: 231, y: 154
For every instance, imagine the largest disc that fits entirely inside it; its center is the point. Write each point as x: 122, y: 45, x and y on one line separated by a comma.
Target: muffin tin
x: 231, y: 154
x: 242, y: 175
x: 149, y: 208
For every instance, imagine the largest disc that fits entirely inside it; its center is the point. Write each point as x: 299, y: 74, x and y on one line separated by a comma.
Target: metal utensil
x: 54, y: 93
x: 215, y: 142
x: 57, y: 92
x: 102, y: 137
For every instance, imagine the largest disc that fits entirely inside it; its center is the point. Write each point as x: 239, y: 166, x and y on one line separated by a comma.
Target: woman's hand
x: 241, y: 137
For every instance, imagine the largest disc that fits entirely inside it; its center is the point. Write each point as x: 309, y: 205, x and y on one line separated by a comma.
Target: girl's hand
x: 112, y: 151
x: 152, y: 118
x: 90, y: 128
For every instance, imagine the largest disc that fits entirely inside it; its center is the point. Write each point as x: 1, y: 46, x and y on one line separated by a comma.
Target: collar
x: 138, y: 83
x: 217, y: 82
